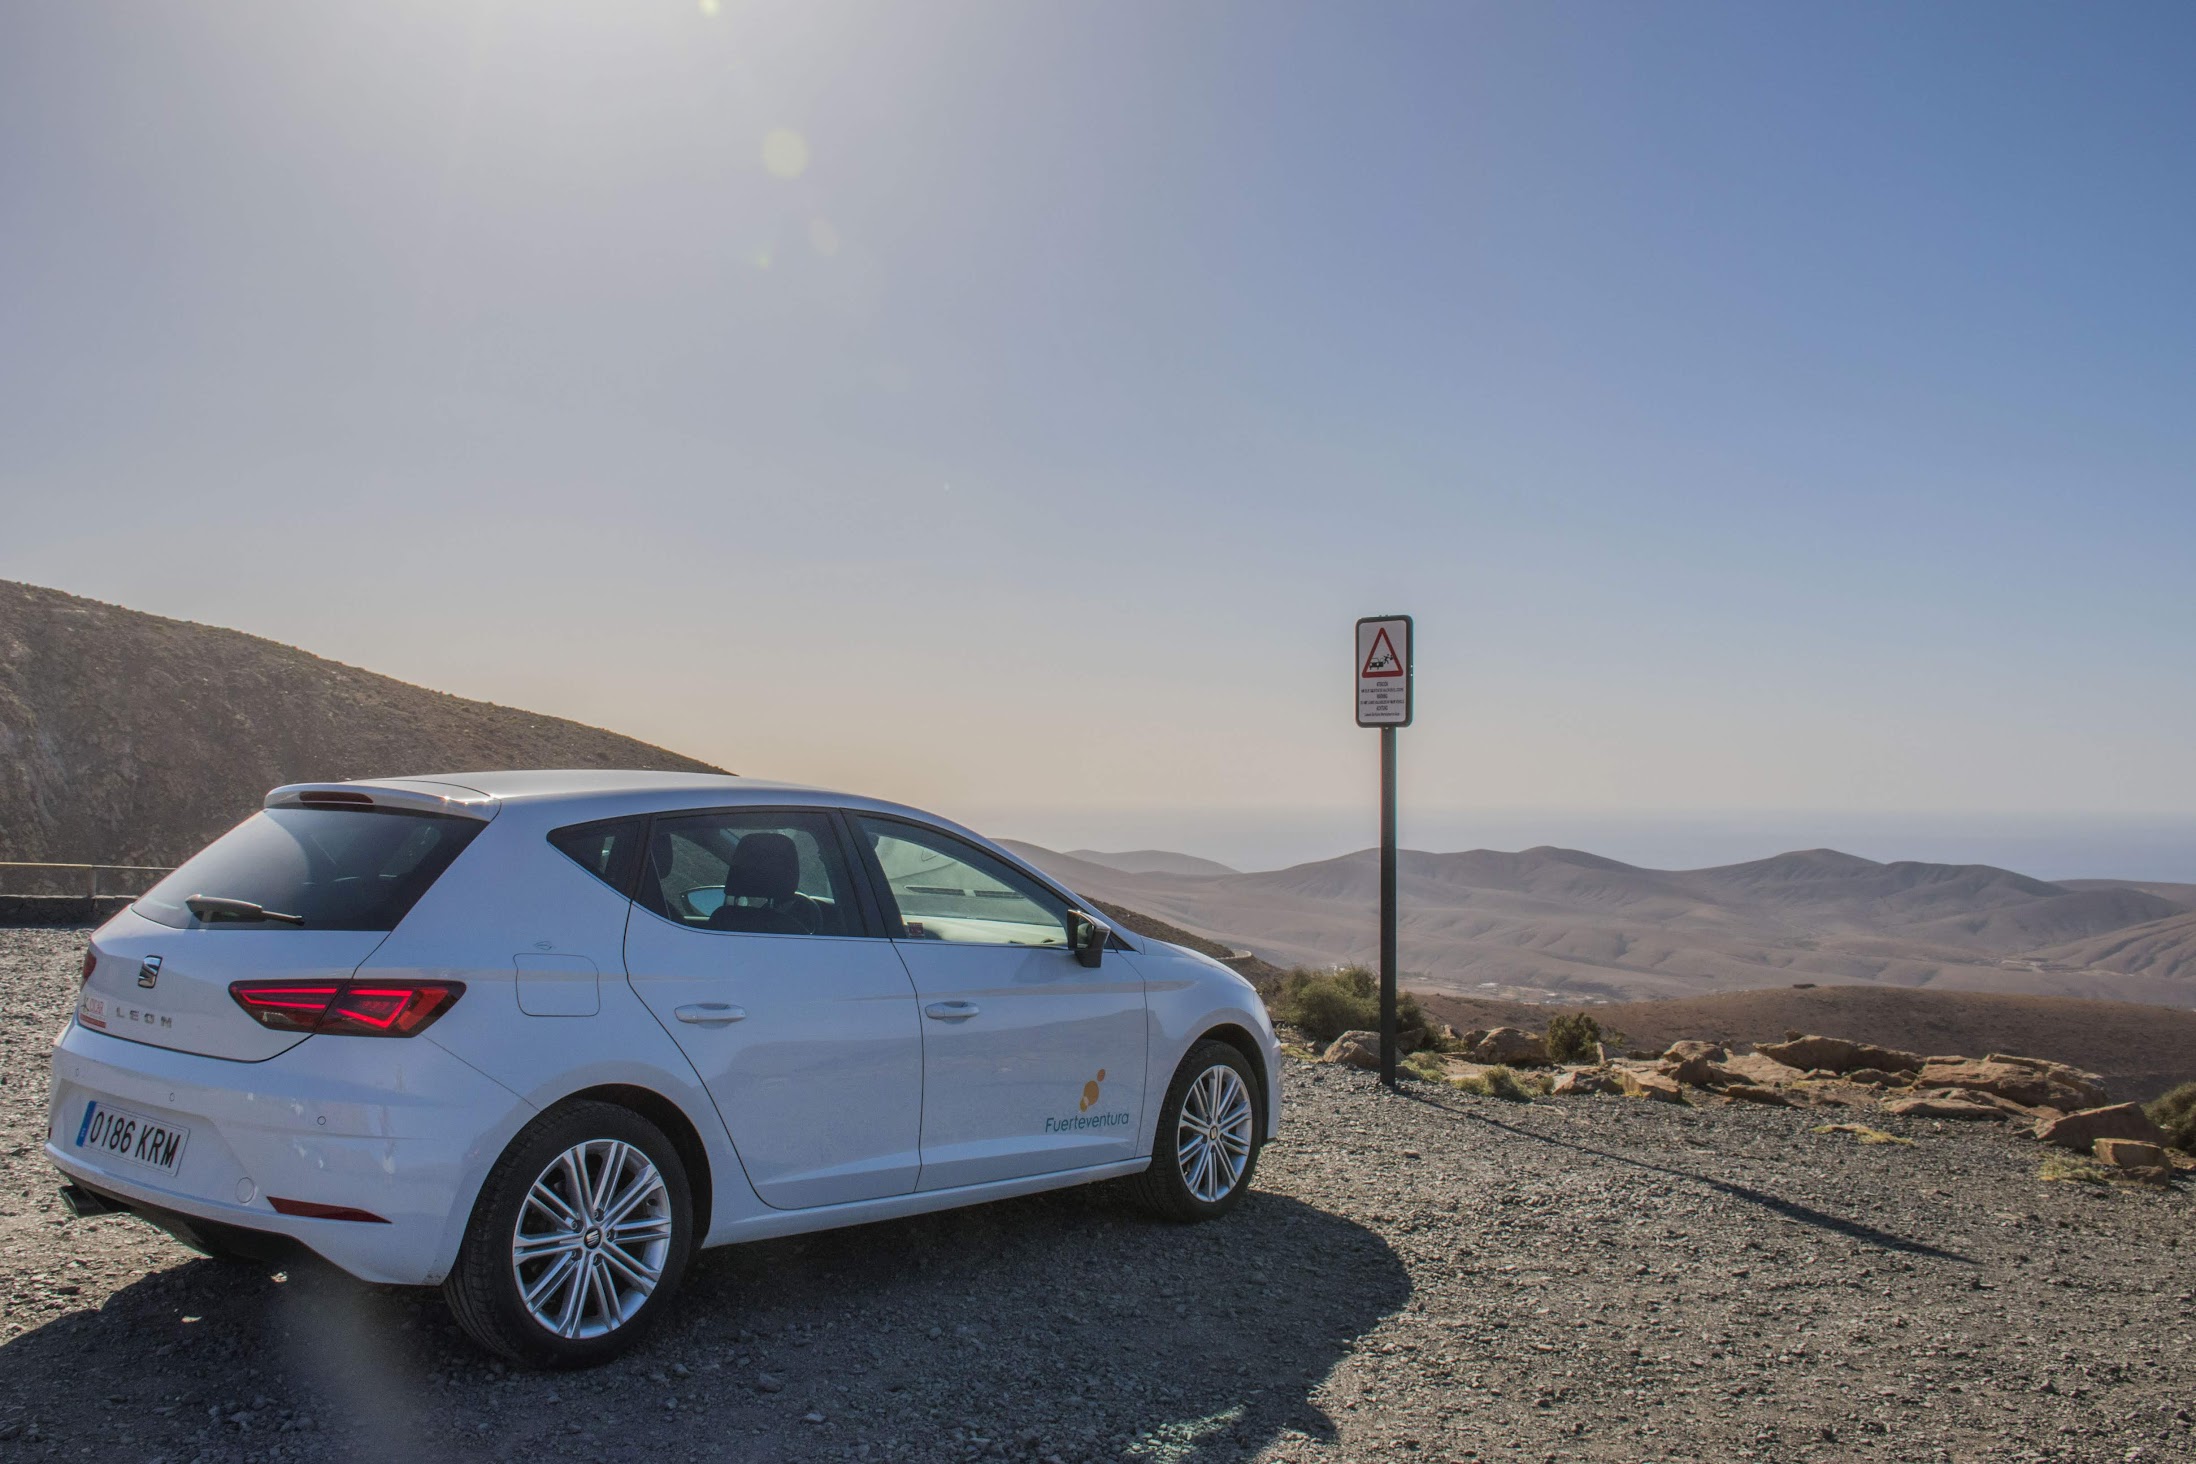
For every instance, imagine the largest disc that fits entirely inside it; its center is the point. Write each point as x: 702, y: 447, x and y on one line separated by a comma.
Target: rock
x: 1357, y: 1049
x: 1510, y: 1047
x: 768, y: 1384
x: 1943, y: 1108
x: 1650, y: 1085
x: 1684, y: 1051
x: 1585, y: 1080
x: 1837, y: 1055
x: 2028, y: 1081
x: 2005, y: 1106
x: 1878, y: 1078
x: 1754, y: 1093
x: 2130, y: 1154
x: 1765, y: 1072
x: 2080, y: 1131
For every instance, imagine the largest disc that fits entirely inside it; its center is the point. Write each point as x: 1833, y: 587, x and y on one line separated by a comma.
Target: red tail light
x: 347, y: 1008
x: 91, y: 959
x: 314, y: 1210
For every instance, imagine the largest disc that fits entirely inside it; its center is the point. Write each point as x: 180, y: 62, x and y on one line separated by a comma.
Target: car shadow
x: 1063, y: 1326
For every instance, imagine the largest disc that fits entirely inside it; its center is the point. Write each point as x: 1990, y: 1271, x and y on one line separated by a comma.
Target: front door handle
x: 951, y: 1011
x: 710, y: 1014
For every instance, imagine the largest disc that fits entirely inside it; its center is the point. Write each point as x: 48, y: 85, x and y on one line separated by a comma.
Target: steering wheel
x: 803, y: 911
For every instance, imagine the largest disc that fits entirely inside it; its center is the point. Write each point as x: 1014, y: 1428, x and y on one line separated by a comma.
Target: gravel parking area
x: 1426, y: 1275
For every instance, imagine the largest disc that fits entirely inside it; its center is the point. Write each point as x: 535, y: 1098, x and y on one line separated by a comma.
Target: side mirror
x: 1088, y: 937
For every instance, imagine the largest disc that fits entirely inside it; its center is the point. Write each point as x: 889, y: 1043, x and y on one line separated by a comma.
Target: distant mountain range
x: 128, y: 738
x: 1552, y: 924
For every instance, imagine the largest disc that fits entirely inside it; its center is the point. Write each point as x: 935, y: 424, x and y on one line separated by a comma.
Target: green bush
x: 1344, y: 999
x: 1574, y: 1037
x: 2176, y: 1114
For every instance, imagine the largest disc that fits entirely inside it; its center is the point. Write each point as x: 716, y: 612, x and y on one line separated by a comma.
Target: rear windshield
x: 333, y: 868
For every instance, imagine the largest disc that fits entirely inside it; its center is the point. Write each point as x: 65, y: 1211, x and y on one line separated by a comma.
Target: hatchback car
x: 538, y: 1036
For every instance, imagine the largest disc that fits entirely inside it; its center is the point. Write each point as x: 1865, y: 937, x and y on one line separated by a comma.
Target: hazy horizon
x: 1009, y: 408
x: 2048, y: 847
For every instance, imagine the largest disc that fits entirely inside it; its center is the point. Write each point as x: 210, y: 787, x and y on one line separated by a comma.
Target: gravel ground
x: 1424, y: 1275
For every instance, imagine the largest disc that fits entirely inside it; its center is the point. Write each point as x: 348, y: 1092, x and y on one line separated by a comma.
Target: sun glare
x: 785, y: 153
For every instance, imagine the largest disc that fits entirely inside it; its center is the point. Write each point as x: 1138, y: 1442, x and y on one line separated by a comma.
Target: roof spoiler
x: 443, y: 798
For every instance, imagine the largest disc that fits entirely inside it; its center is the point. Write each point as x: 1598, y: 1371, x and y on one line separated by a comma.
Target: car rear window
x: 335, y: 869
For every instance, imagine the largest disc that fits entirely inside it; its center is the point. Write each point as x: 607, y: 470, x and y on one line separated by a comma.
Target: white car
x: 537, y: 1036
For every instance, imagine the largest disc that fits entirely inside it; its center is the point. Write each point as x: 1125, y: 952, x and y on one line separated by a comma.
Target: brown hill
x: 1552, y: 924
x: 2140, y: 1051
x: 128, y: 738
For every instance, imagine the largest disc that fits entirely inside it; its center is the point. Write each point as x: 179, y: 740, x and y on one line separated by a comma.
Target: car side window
x: 952, y: 891
x: 760, y: 872
x: 606, y: 850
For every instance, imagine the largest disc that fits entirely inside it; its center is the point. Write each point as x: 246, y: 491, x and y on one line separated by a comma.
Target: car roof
x: 583, y: 794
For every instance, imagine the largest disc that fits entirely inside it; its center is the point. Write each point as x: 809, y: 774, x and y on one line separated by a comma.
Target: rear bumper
x: 400, y: 1130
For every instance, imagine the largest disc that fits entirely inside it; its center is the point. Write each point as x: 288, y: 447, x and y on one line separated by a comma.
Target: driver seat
x: 765, y: 867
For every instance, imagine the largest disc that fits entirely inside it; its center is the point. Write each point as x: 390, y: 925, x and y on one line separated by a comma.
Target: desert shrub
x: 1426, y: 1064
x: 2074, y: 1168
x: 1503, y: 1083
x: 1343, y: 999
x: 1573, y: 1037
x: 2176, y: 1114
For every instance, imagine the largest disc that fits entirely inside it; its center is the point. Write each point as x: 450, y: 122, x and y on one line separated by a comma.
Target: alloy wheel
x: 1213, y: 1142
x: 592, y: 1239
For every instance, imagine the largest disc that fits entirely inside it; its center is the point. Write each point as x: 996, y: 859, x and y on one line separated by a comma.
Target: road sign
x: 1384, y: 701
x: 1384, y: 671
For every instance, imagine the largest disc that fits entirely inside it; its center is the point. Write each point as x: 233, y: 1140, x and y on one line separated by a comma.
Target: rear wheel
x: 578, y: 1241
x: 1206, y: 1148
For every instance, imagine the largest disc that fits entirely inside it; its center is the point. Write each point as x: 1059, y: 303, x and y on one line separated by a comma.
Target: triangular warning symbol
x: 1382, y: 660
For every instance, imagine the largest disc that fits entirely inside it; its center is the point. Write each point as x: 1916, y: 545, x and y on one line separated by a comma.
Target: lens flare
x: 785, y: 153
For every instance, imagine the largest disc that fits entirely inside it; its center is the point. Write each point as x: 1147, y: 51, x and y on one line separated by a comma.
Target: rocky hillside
x: 128, y: 738
x: 1562, y: 925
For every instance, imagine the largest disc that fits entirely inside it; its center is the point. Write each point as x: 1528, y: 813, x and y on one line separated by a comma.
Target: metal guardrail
x: 79, y: 881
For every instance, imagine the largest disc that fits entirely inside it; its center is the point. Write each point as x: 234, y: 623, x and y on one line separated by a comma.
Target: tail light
x: 91, y: 961
x: 347, y: 1008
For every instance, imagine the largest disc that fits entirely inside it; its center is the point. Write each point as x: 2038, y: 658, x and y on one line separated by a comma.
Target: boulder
x: 1511, y: 1047
x: 1837, y: 1055
x: 1684, y: 1051
x: 1650, y: 1085
x: 1762, y: 1072
x: 1585, y: 1080
x: 2130, y: 1154
x: 1358, y: 1049
x: 2029, y: 1081
x: 1752, y: 1093
x: 2080, y: 1131
x: 1878, y: 1078
x: 1943, y: 1108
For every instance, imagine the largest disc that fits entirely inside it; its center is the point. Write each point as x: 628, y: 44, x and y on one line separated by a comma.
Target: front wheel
x: 1206, y: 1148
x: 578, y: 1241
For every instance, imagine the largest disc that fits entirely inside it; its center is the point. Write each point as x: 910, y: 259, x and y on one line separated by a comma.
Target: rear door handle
x: 710, y: 1014
x: 951, y: 1011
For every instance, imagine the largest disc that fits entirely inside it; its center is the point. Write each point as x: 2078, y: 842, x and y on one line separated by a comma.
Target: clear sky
x: 1008, y: 407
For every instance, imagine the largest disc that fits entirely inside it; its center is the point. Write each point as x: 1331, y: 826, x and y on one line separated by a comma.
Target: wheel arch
x: 1241, y: 1039
x: 677, y: 1127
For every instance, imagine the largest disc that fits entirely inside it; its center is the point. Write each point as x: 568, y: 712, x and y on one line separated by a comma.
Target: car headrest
x: 765, y: 866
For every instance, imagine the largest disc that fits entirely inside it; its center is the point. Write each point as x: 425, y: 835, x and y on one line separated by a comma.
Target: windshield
x: 334, y: 869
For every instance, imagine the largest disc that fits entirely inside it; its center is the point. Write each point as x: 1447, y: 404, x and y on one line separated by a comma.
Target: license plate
x: 117, y: 1133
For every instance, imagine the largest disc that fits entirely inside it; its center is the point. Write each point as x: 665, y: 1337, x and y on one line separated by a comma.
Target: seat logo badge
x: 1090, y: 1092
x: 148, y: 974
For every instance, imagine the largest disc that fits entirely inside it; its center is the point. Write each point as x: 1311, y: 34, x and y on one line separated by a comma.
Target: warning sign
x: 1384, y: 671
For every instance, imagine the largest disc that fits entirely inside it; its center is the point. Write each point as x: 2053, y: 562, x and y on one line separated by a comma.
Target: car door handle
x: 951, y: 1011
x: 710, y: 1014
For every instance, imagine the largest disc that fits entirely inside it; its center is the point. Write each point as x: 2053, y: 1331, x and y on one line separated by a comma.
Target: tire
x: 601, y: 1298
x: 1188, y: 1191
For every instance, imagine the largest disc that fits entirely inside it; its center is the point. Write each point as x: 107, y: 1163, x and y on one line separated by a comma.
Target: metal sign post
x: 1384, y: 677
